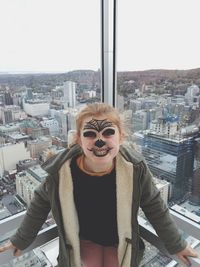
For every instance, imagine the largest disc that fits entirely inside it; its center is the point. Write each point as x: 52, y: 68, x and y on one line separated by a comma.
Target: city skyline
x: 167, y: 131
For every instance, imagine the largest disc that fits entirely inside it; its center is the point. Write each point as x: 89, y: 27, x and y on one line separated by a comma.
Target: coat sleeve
x: 158, y: 214
x: 35, y: 216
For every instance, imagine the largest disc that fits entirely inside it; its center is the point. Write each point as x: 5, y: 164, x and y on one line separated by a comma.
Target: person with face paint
x: 94, y: 190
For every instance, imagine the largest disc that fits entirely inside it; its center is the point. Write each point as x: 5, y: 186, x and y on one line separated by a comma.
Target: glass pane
x: 158, y: 92
x: 49, y: 69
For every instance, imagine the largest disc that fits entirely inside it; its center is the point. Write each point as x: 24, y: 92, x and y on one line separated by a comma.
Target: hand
x: 185, y: 253
x: 16, y: 252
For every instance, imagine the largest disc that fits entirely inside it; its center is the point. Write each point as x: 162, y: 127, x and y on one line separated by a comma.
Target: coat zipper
x: 124, y: 254
x: 139, y: 196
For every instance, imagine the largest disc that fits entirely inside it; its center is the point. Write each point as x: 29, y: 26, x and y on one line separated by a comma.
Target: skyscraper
x: 8, y: 99
x: 170, y: 156
x: 29, y: 93
x: 69, y: 94
x: 195, y: 197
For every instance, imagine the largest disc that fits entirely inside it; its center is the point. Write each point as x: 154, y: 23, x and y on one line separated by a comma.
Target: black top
x: 95, y: 201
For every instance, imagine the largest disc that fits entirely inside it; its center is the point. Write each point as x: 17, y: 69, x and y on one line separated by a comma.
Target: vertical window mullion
x: 108, y: 38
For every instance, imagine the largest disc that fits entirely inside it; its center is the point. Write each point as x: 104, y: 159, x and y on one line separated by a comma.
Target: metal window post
x: 108, y: 51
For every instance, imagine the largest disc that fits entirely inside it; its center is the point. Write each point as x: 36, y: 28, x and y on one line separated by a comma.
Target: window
x: 50, y: 68
x: 158, y: 91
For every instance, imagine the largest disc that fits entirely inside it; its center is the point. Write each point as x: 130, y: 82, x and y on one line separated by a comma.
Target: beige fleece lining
x: 69, y: 212
x: 124, y: 189
x: 124, y: 181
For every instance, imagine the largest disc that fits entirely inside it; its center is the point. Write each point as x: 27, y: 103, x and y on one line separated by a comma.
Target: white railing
x: 147, y: 232
x: 11, y: 223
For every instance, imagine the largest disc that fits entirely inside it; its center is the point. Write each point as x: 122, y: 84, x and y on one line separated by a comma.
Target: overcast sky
x: 64, y: 35
x: 159, y: 34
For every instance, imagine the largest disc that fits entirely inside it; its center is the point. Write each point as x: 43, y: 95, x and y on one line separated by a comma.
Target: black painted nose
x: 99, y: 143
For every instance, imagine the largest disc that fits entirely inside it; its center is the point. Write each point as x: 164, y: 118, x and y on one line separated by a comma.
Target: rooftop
x: 37, y: 172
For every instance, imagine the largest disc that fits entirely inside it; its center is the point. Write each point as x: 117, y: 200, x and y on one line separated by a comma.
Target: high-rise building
x: 195, y: 196
x: 169, y: 159
x: 10, y: 154
x: 8, y: 98
x: 7, y: 116
x: 27, y: 181
x: 66, y: 120
x: 29, y: 93
x: 140, y: 120
x: 192, y: 92
x: 69, y: 94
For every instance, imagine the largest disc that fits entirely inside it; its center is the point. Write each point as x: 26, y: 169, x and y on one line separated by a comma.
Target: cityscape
x: 161, y: 112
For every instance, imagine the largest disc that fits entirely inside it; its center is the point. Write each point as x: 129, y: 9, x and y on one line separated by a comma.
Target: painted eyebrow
x: 97, y: 125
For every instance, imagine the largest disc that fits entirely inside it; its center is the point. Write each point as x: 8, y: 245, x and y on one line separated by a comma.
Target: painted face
x: 100, y: 139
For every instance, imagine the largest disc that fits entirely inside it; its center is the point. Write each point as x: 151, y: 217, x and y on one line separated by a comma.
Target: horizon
x: 65, y: 72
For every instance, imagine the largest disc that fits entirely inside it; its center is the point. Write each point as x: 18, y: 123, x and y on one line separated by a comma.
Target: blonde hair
x: 96, y: 110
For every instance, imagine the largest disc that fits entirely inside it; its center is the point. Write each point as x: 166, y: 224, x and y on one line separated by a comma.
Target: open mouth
x: 100, y: 152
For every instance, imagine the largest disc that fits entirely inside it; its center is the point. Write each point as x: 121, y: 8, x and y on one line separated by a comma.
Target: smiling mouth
x: 100, y: 152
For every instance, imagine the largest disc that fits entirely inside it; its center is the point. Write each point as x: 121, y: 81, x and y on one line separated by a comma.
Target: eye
x: 108, y: 132
x: 89, y: 134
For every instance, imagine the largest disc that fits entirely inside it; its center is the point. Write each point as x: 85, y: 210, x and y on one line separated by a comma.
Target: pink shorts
x: 94, y: 255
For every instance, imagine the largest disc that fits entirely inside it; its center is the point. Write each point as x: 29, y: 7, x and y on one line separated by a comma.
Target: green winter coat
x: 134, y: 189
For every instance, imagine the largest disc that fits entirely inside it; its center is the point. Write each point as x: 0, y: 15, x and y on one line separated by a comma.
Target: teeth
x: 101, y: 152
